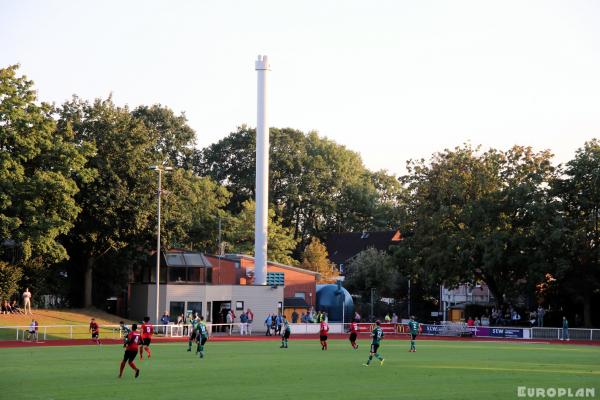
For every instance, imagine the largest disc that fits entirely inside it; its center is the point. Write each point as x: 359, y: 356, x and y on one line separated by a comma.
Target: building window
x: 176, y: 309
x: 300, y: 295
x: 239, y: 305
x: 194, y: 308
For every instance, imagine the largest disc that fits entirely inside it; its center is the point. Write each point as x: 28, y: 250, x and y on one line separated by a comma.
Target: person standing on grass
x: 147, y: 332
x: 565, y: 329
x: 131, y: 350
x: 285, y: 332
x: 27, y: 301
x: 201, y: 337
x: 243, y: 324
x: 323, y: 330
x: 377, y: 336
x: 353, y: 333
x: 123, y: 330
x: 95, y: 329
x: 268, y: 323
x: 414, y: 329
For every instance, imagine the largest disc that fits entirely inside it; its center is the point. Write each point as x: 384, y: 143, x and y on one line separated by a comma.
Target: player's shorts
x: 374, y: 347
x: 413, y: 336
x: 323, y: 338
x: 95, y: 335
x: 286, y: 334
x: 203, y: 340
x: 129, y: 355
x: 353, y: 337
x: 193, y: 335
x: 147, y: 341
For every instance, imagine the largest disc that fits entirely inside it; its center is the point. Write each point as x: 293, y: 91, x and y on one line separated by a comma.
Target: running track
x: 87, y: 342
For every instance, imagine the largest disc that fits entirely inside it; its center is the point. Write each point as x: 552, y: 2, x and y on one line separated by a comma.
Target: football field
x: 261, y: 370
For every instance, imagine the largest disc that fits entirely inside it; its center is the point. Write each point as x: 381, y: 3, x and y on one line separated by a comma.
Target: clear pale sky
x: 393, y: 80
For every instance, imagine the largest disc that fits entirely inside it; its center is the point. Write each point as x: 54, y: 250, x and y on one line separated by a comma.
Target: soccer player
x: 147, y: 332
x: 285, y: 333
x: 414, y: 328
x: 95, y: 329
x: 131, y: 349
x: 201, y: 337
x: 323, y: 330
x: 377, y: 336
x: 124, y: 329
x: 193, y: 333
x: 353, y: 333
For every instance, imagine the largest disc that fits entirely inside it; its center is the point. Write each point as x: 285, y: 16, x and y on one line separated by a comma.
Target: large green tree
x: 316, y: 185
x: 476, y: 217
x: 577, y: 195
x: 239, y: 235
x: 38, y: 167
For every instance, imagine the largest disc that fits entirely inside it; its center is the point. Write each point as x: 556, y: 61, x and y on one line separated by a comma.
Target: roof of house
x: 343, y: 246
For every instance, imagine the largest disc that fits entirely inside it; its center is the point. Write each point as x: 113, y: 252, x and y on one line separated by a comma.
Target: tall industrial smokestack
x: 262, y: 174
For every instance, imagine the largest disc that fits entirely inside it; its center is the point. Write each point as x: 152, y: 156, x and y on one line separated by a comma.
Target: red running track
x: 88, y: 342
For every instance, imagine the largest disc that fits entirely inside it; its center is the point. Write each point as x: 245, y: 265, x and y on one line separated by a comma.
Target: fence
x: 53, y: 332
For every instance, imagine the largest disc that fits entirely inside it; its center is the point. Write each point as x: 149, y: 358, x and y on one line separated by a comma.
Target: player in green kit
x: 201, y: 336
x: 285, y: 333
x: 193, y: 331
x: 377, y: 336
x: 414, y: 328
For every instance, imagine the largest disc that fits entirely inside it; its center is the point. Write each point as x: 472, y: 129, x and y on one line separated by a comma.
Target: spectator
x: 250, y: 316
x: 180, y: 324
x: 478, y: 322
x: 303, y: 318
x: 268, y: 323
x: 356, y: 316
x: 394, y: 318
x: 165, y: 320
x: 294, y: 317
x: 229, y: 319
x: 565, y: 329
x: 273, y: 322
x: 27, y: 301
x: 540, y: 316
x: 278, y: 322
x: 243, y: 323
x: 470, y: 322
x: 532, y: 318
x: 388, y: 319
x: 15, y: 307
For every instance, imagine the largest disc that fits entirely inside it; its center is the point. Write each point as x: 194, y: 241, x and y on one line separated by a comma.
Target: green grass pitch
x: 261, y: 370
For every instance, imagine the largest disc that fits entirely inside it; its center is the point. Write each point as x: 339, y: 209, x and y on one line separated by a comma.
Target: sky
x: 392, y: 80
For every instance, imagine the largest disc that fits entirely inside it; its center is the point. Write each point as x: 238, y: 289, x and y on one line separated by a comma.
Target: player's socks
x: 189, y: 345
x: 148, y: 351
x: 121, y: 368
x: 137, y: 373
x: 369, y: 360
x: 132, y: 365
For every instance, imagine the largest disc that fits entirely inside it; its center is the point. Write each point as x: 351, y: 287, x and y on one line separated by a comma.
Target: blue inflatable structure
x: 336, y: 302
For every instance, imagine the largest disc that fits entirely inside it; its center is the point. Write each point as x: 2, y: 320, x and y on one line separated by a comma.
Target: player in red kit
x: 147, y: 332
x: 323, y: 330
x: 131, y: 349
x: 95, y: 329
x: 353, y: 333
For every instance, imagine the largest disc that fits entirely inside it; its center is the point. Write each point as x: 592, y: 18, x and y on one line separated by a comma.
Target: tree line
x: 78, y: 204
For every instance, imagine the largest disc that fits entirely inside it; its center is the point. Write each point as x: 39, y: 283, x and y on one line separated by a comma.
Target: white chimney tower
x: 262, y: 66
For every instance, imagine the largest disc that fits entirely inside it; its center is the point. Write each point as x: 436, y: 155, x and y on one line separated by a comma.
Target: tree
x: 239, y: 234
x: 116, y: 204
x: 578, y: 202
x: 315, y: 258
x: 38, y: 167
x: 315, y: 185
x: 372, y: 268
x: 476, y: 217
x: 9, y: 280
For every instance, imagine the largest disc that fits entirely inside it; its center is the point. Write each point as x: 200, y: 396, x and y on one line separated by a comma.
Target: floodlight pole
x: 159, y: 169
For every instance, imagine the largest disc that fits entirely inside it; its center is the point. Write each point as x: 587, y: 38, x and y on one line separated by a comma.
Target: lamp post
x: 159, y: 169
